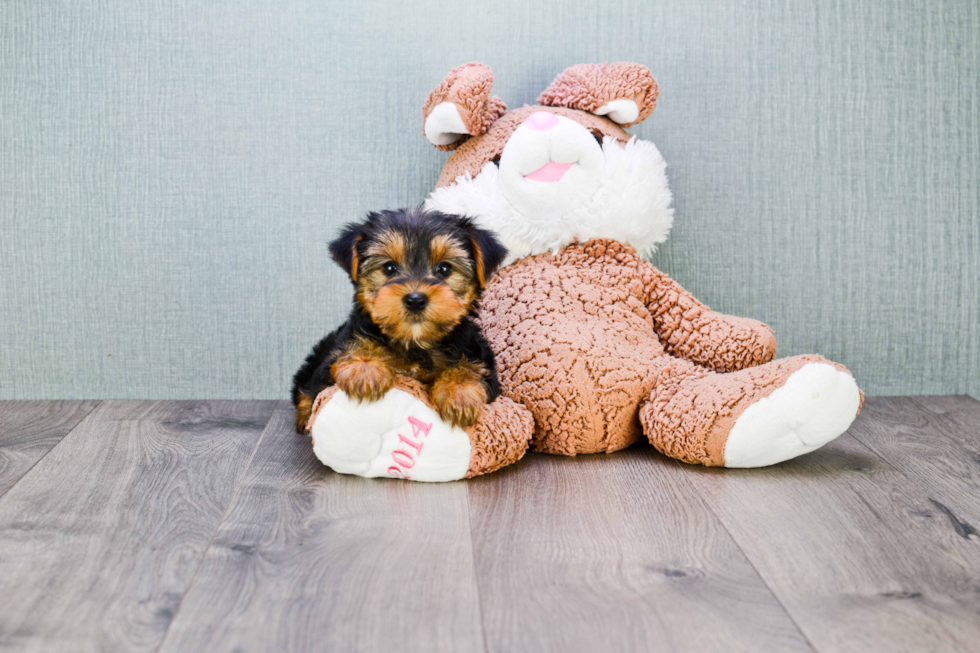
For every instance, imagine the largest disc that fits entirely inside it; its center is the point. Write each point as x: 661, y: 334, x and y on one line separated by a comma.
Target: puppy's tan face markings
x: 391, y: 245
x: 397, y: 264
x: 446, y: 248
x: 388, y: 247
x: 452, y: 252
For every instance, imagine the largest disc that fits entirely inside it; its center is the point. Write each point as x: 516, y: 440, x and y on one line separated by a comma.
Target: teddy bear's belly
x: 578, y: 354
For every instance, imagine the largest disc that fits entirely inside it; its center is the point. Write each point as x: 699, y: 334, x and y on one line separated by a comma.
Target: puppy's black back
x: 306, y: 377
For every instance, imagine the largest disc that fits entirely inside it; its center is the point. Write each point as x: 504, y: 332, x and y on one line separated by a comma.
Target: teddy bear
x: 595, y: 347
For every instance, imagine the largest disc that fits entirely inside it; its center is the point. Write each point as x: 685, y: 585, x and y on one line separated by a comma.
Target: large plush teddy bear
x: 594, y: 342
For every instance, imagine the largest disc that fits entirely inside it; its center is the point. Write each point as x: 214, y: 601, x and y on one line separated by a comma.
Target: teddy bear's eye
x: 390, y: 269
x: 443, y: 270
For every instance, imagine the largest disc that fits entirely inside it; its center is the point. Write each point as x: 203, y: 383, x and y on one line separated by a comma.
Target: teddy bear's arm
x: 688, y: 329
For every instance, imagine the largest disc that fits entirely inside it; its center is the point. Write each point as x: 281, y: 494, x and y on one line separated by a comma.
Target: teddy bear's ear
x: 624, y: 92
x: 461, y: 106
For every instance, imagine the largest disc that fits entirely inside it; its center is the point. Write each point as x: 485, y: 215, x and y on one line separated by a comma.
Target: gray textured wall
x: 170, y: 172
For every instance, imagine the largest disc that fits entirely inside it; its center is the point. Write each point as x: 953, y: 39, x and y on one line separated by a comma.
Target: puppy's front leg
x: 363, y: 372
x: 459, y: 394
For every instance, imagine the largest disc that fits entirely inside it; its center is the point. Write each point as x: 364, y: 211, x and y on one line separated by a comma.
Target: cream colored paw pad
x: 396, y: 437
x: 817, y: 403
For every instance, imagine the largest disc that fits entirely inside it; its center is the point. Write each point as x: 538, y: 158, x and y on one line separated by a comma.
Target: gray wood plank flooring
x: 608, y: 553
x: 856, y: 551
x: 310, y: 560
x: 935, y: 440
x: 100, y: 540
x: 210, y: 526
x: 28, y: 430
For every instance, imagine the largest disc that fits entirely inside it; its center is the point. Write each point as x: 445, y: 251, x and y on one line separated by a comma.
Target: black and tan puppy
x: 418, y: 276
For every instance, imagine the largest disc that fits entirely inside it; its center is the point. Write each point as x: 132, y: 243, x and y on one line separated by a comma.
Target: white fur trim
x: 363, y: 439
x: 631, y: 203
x: 621, y: 111
x: 444, y: 124
x: 817, y: 403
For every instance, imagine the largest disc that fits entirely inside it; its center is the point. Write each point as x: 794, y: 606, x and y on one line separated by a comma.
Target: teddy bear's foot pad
x: 398, y: 436
x: 816, y: 404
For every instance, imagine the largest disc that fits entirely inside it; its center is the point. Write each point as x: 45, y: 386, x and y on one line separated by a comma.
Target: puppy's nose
x: 415, y: 301
x: 541, y: 120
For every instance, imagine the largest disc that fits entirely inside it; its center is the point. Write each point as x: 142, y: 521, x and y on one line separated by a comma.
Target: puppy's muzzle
x: 415, y: 302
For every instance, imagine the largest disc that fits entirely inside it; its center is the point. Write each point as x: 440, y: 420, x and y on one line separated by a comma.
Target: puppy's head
x: 417, y: 273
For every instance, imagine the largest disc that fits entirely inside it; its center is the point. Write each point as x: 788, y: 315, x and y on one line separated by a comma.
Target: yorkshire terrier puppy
x: 418, y: 276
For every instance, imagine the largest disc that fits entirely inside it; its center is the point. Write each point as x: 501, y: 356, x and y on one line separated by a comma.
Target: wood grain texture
x: 99, y: 541
x: 186, y: 526
x: 935, y: 441
x: 610, y: 553
x: 857, y: 553
x: 28, y: 430
x: 307, y: 559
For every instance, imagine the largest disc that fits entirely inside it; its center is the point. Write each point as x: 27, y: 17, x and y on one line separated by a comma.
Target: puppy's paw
x: 458, y: 396
x: 363, y: 379
x: 304, y: 407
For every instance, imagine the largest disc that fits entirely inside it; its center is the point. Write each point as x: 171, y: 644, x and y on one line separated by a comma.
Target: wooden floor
x: 210, y: 526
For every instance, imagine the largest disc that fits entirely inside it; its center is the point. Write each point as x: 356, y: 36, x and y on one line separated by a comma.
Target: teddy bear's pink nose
x: 541, y: 120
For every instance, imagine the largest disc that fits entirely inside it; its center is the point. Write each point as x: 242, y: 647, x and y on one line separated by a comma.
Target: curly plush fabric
x: 691, y: 330
x: 578, y: 339
x: 600, y: 346
x: 468, y: 87
x: 499, y: 438
x: 574, y: 343
x: 321, y: 400
x: 589, y: 86
x: 470, y: 156
x: 691, y: 410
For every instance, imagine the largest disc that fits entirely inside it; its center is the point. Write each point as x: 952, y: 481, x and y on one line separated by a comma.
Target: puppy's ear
x: 344, y: 249
x: 488, y: 253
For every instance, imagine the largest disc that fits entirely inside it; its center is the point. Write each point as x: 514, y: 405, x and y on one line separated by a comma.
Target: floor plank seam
x: 476, y: 576
x: 748, y: 559
x: 664, y: 623
x: 91, y: 411
x: 217, y: 527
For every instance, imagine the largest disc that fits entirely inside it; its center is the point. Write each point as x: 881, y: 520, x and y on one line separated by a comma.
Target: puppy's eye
x: 443, y: 270
x: 390, y: 269
x: 598, y: 138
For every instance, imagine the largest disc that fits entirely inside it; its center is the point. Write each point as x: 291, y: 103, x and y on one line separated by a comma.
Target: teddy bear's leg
x: 500, y: 436
x: 751, y: 418
x: 402, y: 436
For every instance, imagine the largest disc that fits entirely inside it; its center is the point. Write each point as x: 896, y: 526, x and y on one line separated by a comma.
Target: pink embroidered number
x: 403, y: 458
x: 419, y: 426
x: 412, y: 443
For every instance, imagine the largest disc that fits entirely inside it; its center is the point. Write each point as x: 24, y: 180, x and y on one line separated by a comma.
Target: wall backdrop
x: 171, y: 170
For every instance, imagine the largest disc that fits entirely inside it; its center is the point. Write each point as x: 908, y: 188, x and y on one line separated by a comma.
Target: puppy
x: 418, y: 276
